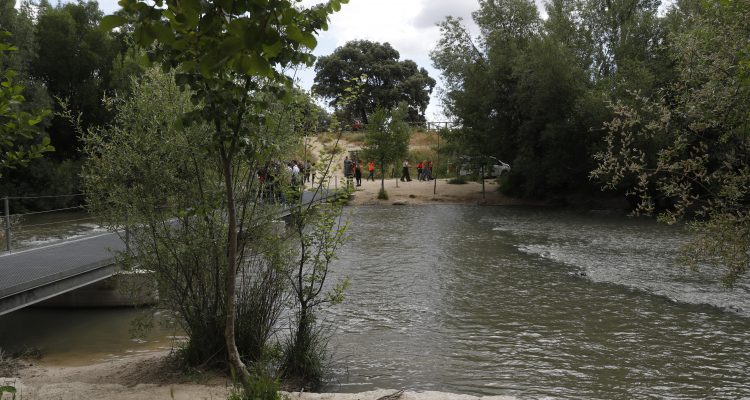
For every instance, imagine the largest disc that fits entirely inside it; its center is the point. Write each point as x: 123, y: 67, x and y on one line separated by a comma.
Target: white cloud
x: 436, y: 10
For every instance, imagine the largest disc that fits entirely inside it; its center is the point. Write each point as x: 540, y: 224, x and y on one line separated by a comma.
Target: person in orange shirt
x: 371, y: 169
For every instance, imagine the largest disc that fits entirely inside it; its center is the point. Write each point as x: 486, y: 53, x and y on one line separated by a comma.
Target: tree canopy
x: 384, y: 81
x: 534, y: 92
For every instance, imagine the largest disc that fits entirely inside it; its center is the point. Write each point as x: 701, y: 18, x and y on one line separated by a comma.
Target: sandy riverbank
x: 149, y: 376
x: 427, y: 192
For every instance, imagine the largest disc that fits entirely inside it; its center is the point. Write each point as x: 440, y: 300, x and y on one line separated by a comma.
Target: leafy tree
x: 224, y: 52
x: 384, y: 80
x: 318, y: 235
x: 74, y: 61
x: 387, y: 139
x: 20, y: 138
x: 535, y: 92
x: 690, y: 143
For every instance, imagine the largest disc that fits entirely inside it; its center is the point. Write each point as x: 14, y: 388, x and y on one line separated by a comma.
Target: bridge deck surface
x: 29, y: 269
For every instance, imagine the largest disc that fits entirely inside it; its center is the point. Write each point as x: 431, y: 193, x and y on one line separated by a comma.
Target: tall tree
x: 384, y: 80
x: 689, y: 145
x: 225, y: 51
x: 74, y: 61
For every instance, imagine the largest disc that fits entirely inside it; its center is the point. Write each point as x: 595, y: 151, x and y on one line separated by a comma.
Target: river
x: 530, y: 302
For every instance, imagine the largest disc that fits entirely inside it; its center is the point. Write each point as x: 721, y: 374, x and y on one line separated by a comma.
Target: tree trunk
x: 233, y: 354
x: 382, y: 177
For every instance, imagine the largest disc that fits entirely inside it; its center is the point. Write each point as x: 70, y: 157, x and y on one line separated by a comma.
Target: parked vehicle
x: 493, y: 170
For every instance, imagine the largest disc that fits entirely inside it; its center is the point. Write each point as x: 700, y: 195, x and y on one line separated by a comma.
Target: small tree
x: 224, y: 52
x: 318, y: 233
x: 387, y: 138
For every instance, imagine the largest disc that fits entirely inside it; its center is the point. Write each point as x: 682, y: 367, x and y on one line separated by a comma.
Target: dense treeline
x: 62, y: 58
x: 614, y: 94
x: 536, y: 92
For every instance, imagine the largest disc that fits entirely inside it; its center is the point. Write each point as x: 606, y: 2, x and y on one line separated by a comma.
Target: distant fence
x: 9, y: 218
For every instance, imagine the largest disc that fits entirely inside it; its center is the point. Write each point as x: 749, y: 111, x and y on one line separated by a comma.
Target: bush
x: 260, y: 387
x: 382, y: 194
x: 457, y: 181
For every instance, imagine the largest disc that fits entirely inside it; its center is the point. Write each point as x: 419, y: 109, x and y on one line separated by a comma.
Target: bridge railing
x: 12, y: 222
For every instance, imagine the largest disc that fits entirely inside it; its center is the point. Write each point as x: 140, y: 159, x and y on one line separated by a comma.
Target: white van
x: 498, y: 168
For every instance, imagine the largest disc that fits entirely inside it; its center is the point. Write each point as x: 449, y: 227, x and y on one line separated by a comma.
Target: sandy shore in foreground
x: 149, y: 376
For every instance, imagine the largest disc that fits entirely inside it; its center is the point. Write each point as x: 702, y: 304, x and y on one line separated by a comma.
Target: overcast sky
x: 408, y: 25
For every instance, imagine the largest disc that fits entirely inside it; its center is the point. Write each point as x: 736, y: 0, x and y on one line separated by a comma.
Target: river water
x: 535, y: 303
x: 491, y: 300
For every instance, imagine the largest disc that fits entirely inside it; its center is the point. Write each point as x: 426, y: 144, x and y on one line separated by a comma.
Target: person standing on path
x: 348, y: 171
x: 358, y: 173
x: 306, y: 170
x: 371, y: 170
x: 405, y: 172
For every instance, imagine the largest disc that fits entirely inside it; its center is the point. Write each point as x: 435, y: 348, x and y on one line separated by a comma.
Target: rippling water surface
x: 535, y: 303
x: 493, y: 301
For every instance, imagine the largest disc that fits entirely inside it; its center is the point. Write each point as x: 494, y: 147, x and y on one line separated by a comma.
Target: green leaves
x: 20, y: 140
x: 110, y: 22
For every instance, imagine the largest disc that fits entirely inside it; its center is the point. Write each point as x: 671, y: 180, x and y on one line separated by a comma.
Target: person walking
x: 405, y: 172
x: 420, y: 165
x: 371, y: 170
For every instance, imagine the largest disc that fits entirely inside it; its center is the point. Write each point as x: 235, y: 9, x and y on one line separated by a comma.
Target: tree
x: 689, y: 144
x: 74, y: 61
x: 318, y: 236
x: 387, y: 139
x: 20, y: 138
x: 224, y: 52
x: 385, y: 81
x: 534, y: 92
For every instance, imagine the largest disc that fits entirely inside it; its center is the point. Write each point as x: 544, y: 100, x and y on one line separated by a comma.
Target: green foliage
x: 382, y: 194
x: 384, y: 81
x: 387, y: 139
x: 20, y: 138
x: 144, y: 173
x: 534, y: 93
x: 74, y: 60
x: 685, y: 152
x: 227, y: 52
x: 318, y: 234
x: 11, y: 390
x: 457, y: 181
x: 259, y: 387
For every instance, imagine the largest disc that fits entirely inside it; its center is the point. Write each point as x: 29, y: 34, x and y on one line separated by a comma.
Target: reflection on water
x: 82, y: 336
x: 45, y: 228
x: 492, y: 301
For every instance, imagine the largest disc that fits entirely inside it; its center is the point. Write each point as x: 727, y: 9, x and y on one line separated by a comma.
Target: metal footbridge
x: 37, y: 274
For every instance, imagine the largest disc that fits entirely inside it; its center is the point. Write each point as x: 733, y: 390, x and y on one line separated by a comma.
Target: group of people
x: 275, y: 174
x: 353, y: 169
x: 424, y: 171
